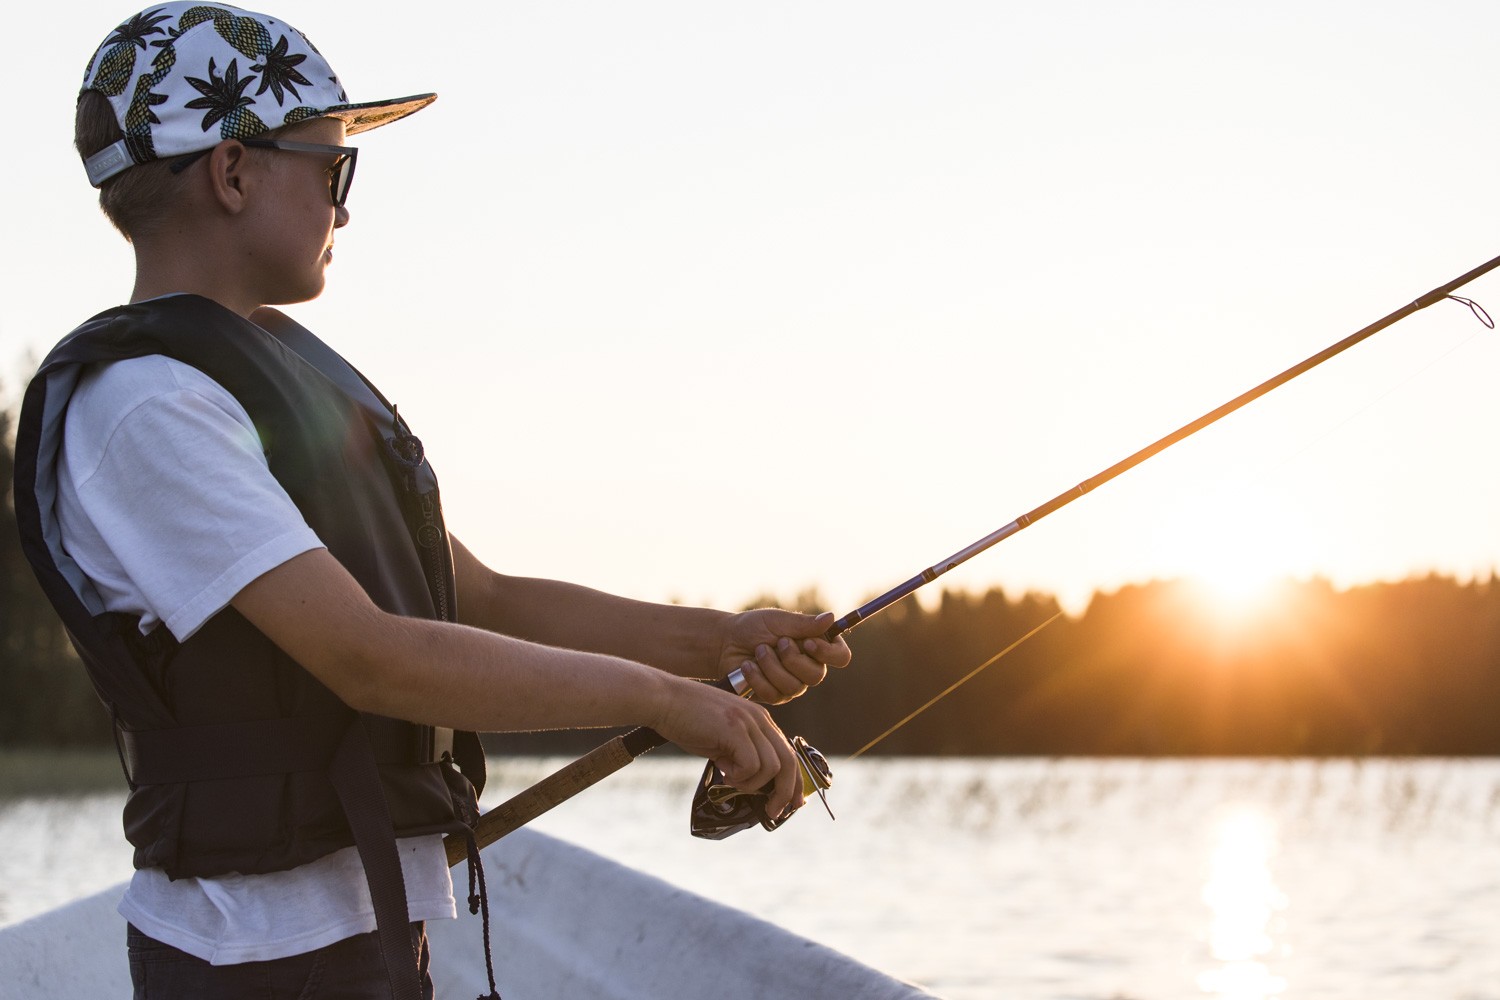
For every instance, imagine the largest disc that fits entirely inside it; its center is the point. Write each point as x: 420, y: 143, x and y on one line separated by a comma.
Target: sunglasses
x: 340, y: 175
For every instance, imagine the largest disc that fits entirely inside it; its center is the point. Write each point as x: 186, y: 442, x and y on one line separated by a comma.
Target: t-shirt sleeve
x: 180, y: 506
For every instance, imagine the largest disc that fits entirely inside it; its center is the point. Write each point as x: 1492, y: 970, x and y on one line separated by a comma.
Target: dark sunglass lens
x: 343, y: 176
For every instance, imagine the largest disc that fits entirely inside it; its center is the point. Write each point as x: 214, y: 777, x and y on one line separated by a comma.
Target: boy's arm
x: 782, y: 653
x: 466, y: 678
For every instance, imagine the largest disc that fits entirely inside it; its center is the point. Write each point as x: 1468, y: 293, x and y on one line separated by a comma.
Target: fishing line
x: 1479, y: 313
x: 1309, y: 444
x: 957, y: 684
x: 621, y: 750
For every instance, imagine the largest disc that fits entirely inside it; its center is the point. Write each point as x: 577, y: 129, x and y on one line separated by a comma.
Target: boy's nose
x: 340, y: 216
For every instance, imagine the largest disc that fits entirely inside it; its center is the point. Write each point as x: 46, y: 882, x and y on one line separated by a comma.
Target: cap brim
x: 363, y: 117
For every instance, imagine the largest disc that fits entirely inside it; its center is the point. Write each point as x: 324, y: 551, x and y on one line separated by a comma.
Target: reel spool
x: 720, y: 810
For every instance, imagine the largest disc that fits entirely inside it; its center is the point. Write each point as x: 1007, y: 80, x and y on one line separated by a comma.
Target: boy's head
x: 180, y: 78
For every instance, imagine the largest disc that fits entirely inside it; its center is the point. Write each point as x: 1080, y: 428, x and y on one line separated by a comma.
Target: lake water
x: 1045, y: 879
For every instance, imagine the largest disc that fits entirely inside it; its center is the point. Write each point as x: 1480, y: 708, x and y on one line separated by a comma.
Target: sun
x: 1234, y: 574
x: 1237, y: 550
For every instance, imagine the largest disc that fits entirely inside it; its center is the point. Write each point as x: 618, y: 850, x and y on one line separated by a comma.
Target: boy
x: 247, y: 547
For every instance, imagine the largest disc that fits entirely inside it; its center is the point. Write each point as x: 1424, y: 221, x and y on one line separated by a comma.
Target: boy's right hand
x: 738, y: 735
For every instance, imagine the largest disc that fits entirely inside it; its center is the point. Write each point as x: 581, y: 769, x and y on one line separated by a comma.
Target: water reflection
x: 1243, y: 902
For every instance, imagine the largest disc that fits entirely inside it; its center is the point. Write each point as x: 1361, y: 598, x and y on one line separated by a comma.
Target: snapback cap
x: 183, y: 77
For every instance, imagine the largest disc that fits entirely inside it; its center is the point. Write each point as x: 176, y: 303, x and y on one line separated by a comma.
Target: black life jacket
x: 233, y: 751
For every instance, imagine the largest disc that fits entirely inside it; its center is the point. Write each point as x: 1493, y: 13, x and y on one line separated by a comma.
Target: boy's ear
x: 227, y: 175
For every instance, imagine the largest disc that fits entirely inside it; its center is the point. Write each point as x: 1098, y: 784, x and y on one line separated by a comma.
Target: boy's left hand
x: 781, y: 653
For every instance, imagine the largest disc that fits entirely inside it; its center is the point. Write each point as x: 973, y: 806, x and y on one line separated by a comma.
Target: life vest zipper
x: 430, y: 538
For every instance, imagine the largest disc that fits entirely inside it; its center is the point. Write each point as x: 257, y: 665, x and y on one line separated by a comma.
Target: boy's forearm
x: 440, y: 673
x: 475, y: 679
x: 685, y: 641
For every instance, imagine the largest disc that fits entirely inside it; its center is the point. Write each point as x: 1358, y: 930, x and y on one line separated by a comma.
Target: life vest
x: 232, y: 750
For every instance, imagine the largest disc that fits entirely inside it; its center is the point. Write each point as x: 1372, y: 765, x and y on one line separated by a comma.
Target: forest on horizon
x: 1156, y: 669
x: 1401, y: 668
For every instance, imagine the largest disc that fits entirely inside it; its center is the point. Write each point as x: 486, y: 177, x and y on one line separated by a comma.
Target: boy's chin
x: 292, y: 296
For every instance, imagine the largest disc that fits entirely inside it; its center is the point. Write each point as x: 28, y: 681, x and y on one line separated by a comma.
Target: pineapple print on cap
x: 245, y: 33
x: 217, y: 73
x: 224, y: 100
x: 118, y: 62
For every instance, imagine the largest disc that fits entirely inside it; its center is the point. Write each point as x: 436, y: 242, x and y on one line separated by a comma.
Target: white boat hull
x: 566, y: 924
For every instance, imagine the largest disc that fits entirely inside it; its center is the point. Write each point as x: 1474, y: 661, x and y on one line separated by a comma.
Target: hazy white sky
x: 702, y: 299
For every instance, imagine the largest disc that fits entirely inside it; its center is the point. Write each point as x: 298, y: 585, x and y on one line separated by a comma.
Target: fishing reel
x: 720, y: 810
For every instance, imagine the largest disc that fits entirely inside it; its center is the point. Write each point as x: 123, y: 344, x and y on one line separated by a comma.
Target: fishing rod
x: 611, y: 756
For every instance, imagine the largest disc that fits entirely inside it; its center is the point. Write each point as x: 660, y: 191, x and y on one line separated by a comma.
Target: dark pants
x: 351, y: 969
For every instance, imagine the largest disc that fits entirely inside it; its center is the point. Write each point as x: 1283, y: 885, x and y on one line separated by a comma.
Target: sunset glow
x: 1237, y: 578
x: 726, y: 301
x: 1237, y: 548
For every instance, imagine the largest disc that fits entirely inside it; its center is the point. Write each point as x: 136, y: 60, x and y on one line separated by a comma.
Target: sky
x: 702, y: 301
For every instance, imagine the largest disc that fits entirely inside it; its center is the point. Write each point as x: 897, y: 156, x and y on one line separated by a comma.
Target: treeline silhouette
x: 1406, y: 668
x: 1411, y: 667
x: 1156, y: 669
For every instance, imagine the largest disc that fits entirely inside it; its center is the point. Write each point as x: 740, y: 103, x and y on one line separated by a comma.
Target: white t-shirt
x: 166, y: 502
